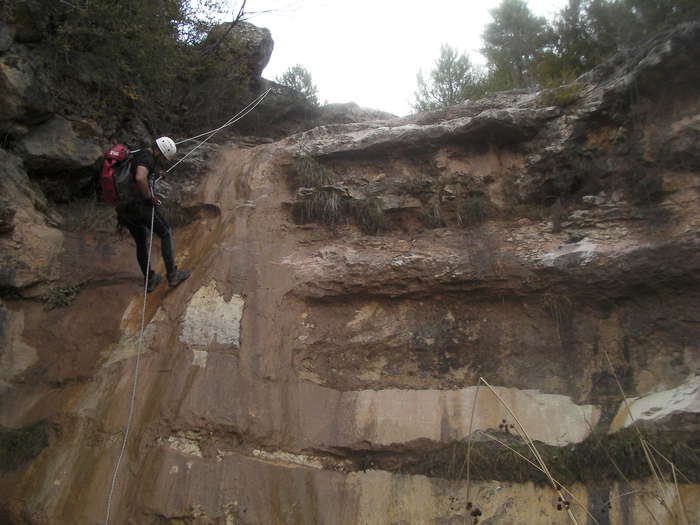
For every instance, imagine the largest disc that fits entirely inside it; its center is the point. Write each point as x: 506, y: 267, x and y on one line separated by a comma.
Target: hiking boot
x: 153, y: 281
x: 178, y: 277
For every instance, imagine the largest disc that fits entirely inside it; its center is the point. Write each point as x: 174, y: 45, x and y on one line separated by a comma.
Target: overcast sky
x: 369, y: 51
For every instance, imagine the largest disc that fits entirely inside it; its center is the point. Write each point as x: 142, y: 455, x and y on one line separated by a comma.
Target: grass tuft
x: 322, y: 200
x: 585, y: 462
x: 369, y: 215
x: 474, y: 208
x: 309, y: 173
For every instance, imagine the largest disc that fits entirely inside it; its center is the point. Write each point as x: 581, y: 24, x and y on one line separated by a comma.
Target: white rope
x: 136, y: 370
x: 238, y: 116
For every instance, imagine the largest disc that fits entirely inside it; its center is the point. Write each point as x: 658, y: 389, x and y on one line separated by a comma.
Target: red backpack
x: 116, y: 177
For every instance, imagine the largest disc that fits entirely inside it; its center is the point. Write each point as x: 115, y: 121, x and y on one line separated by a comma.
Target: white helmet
x: 167, y: 147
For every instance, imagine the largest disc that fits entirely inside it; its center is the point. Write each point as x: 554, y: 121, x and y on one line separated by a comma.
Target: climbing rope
x: 209, y: 134
x: 136, y: 369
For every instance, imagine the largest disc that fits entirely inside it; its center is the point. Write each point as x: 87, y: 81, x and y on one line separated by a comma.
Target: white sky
x: 369, y: 51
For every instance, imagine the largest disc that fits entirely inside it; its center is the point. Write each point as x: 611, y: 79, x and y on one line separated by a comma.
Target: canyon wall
x: 351, y: 286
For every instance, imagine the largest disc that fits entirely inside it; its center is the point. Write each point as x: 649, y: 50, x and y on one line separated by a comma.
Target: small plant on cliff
x: 369, y: 215
x: 310, y: 173
x: 474, y: 208
x: 18, y: 446
x: 562, y: 96
x: 60, y: 296
x: 559, y: 307
x: 320, y: 198
x: 325, y: 205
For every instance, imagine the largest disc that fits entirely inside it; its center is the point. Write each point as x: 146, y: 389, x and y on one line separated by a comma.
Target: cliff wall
x: 351, y: 286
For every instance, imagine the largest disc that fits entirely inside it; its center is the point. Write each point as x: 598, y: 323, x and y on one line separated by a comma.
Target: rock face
x: 311, y: 372
x: 258, y: 45
x: 29, y: 243
x: 56, y: 146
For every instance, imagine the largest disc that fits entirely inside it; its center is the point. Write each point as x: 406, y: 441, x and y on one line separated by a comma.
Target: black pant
x: 136, y: 216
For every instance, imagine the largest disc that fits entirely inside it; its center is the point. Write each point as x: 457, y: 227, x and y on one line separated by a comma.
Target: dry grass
x: 322, y: 200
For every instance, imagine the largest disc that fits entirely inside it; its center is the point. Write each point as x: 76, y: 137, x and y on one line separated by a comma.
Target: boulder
x: 16, y: 355
x: 257, y: 44
x: 29, y: 246
x: 61, y: 145
x: 23, y: 95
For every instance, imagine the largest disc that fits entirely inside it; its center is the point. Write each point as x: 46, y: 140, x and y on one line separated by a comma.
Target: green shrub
x: 309, y: 173
x: 60, y: 296
x: 474, y: 208
x: 21, y: 445
x: 562, y: 96
x: 298, y: 79
x: 326, y: 205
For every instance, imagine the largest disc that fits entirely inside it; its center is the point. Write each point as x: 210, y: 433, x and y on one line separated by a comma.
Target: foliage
x: 325, y: 205
x: 136, y: 43
x: 474, y: 208
x: 21, y: 445
x: 600, y: 457
x: 452, y: 81
x: 155, y: 57
x: 298, y: 79
x: 513, y: 42
x: 309, y: 173
x: 526, y: 51
x: 369, y: 215
x: 321, y: 199
x: 60, y: 296
x: 588, y: 31
x: 213, y: 80
x: 562, y: 96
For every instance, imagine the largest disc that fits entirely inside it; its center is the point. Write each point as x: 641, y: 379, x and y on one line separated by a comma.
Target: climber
x: 136, y: 213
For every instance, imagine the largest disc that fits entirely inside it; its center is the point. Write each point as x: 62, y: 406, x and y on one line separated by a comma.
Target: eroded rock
x: 61, y: 145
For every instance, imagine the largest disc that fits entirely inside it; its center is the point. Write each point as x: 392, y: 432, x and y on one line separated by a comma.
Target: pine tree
x: 513, y: 41
x: 452, y: 81
x: 299, y: 80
